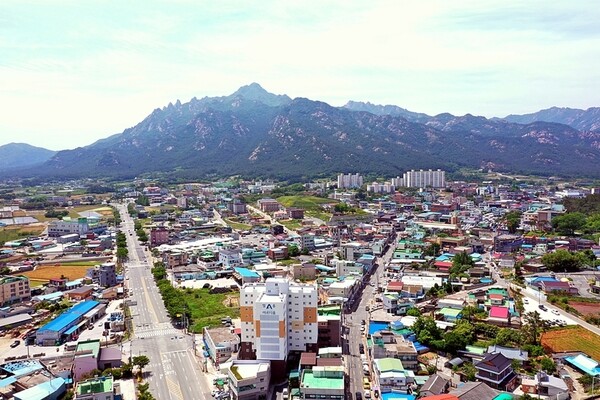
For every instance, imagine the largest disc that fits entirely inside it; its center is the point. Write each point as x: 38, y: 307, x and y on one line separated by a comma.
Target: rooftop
x: 70, y: 316
x: 103, y: 384
x: 310, y: 380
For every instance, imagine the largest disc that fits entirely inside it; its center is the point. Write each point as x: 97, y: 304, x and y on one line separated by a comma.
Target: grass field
x: 79, y: 263
x: 309, y: 203
x: 292, y: 224
x: 323, y: 216
x: 208, y: 309
x: 237, y: 225
x: 37, y: 282
x: 572, y: 338
x: 8, y: 233
x: 104, y: 211
x: 45, y: 273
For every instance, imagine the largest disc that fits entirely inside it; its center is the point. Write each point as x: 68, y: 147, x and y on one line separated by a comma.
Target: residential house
x: 545, y: 385
x: 496, y: 371
x: 390, y: 375
x: 437, y: 384
x: 386, y: 344
x: 248, y: 379
x: 220, y: 343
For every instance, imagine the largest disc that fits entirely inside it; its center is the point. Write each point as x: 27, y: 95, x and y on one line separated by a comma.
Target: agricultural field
x: 45, y: 273
x: 237, y: 225
x: 585, y: 308
x: 13, y: 232
x: 292, y: 224
x: 572, y: 338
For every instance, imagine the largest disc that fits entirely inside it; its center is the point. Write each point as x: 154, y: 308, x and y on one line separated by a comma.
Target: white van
x: 285, y: 394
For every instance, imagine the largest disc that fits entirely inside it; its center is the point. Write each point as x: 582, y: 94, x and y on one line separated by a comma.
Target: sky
x: 73, y: 72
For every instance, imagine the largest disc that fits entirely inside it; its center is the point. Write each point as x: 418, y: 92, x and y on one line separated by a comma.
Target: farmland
x: 13, y: 232
x: 45, y: 273
x: 572, y: 338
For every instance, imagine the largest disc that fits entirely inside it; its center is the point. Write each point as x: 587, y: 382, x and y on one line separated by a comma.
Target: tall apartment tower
x: 277, y: 316
x: 422, y: 178
x: 349, y: 181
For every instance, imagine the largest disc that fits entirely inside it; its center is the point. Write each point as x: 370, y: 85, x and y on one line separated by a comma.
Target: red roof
x: 395, y: 285
x: 443, y: 264
x: 495, y: 296
x: 441, y: 397
x: 499, y: 312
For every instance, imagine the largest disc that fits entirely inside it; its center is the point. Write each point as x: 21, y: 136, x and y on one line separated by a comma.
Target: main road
x: 174, y: 372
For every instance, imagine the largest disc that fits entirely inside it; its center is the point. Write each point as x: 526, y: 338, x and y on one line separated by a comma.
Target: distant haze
x: 75, y: 72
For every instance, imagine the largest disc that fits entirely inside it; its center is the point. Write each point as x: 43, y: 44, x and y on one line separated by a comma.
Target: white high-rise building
x: 349, y: 181
x: 424, y: 178
x: 277, y: 316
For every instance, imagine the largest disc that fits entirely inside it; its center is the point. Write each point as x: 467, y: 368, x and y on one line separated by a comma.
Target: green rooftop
x: 103, y: 384
x: 333, y: 310
x: 450, y: 312
x: 309, y: 380
x: 476, y: 349
x: 389, y: 364
x: 93, y: 345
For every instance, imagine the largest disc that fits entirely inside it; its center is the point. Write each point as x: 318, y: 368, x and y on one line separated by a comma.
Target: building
x: 249, y: 380
x: 496, y: 371
x: 68, y: 323
x: 230, y: 257
x: 14, y: 289
x: 268, y: 205
x: 386, y: 344
x: 391, y: 376
x: 349, y: 181
x: 330, y: 331
x: 277, y: 316
x: 423, y: 179
x: 159, y: 236
x: 295, y: 213
x: 104, y: 275
x: 86, y: 358
x: 545, y: 385
x: 322, y: 382
x: 306, y: 271
x: 99, y: 388
x: 220, y: 343
x: 79, y: 226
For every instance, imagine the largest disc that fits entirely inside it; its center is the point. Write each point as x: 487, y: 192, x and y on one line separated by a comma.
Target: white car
x: 555, y: 312
x: 525, y: 301
x: 367, y: 394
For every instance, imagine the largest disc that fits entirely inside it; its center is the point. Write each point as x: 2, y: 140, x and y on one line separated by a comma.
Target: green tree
x: 508, y: 336
x: 512, y: 220
x: 546, y: 364
x: 568, y: 223
x: 293, y: 250
x: 433, y: 250
x: 461, y: 262
x: 140, y: 361
x: 122, y: 254
x: 469, y: 371
x: 563, y: 261
x: 533, y: 327
x: 426, y: 330
x: 413, y: 312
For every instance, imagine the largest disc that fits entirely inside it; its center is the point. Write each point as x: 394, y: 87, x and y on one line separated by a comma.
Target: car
x: 361, y: 348
x: 542, y: 307
x: 285, y: 393
x: 358, y: 396
x: 367, y: 394
x: 525, y: 301
x: 15, y: 343
x: 555, y: 312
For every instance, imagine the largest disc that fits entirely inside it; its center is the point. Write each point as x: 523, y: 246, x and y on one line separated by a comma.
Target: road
x: 173, y: 372
x: 352, y: 321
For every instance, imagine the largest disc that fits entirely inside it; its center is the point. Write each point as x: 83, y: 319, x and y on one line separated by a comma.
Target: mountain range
x: 255, y: 133
x: 18, y: 155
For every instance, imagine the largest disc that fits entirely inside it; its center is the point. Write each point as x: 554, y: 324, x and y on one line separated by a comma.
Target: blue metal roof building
x: 54, y: 329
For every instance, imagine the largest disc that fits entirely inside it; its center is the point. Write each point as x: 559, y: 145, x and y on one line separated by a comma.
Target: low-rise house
x: 544, y: 385
x: 220, y: 343
x: 248, y: 379
x: 325, y: 382
x: 98, y: 388
x: 386, y: 344
x: 496, y: 371
x: 390, y: 375
x: 511, y: 353
x: 500, y: 315
x: 436, y: 384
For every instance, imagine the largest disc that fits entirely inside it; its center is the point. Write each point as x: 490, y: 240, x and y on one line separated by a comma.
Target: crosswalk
x: 147, y: 333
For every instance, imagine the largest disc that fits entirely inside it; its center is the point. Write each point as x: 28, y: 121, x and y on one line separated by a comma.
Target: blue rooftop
x: 49, y: 389
x: 585, y: 364
x: 246, y: 273
x: 376, y: 326
x: 73, y: 314
x: 396, y: 396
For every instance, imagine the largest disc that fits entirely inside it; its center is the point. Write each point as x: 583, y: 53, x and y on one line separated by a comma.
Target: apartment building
x: 349, y: 181
x: 277, y: 317
x: 268, y: 205
x: 104, y: 275
x: 14, y: 289
x: 421, y: 179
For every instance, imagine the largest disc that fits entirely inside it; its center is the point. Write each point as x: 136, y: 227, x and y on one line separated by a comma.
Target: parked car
x: 15, y: 343
x: 555, y: 312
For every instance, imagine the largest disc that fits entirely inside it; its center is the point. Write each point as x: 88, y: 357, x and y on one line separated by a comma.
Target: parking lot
x: 550, y: 314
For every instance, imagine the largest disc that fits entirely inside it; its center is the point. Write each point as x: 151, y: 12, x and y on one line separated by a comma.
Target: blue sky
x: 73, y: 72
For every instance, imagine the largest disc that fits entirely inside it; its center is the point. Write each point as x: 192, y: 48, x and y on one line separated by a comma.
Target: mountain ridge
x: 256, y: 133
x: 17, y: 155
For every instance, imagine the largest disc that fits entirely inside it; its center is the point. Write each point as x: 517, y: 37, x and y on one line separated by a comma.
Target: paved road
x: 352, y: 321
x: 173, y: 373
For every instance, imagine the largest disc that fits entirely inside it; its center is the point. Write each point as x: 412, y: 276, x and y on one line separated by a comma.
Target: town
x: 416, y: 287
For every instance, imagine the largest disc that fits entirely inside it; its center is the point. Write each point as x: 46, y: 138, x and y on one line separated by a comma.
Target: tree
x: 533, y: 327
x: 293, y: 250
x: 548, y: 365
x: 469, y: 371
x: 413, y: 312
x: 512, y: 220
x: 433, y: 250
x: 508, y: 336
x: 122, y: 253
x: 563, y: 261
x: 568, y: 223
x: 140, y: 361
x: 461, y: 262
x: 426, y: 330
